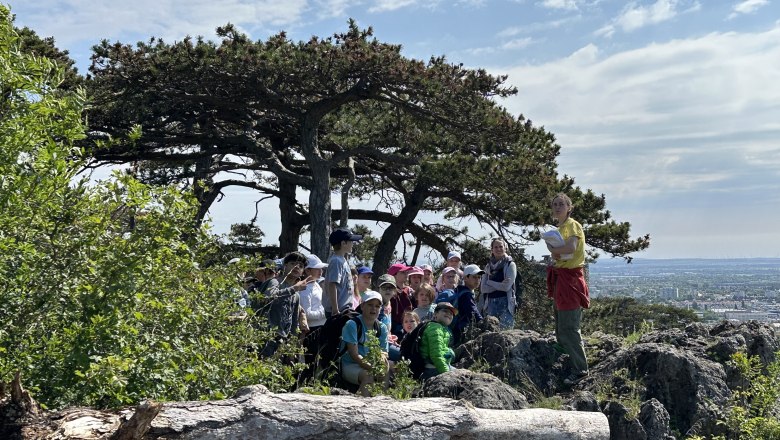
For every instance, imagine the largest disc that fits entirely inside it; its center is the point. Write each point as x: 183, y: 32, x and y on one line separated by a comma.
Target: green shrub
x: 753, y: 407
x: 623, y: 389
x: 634, y: 337
x: 105, y: 296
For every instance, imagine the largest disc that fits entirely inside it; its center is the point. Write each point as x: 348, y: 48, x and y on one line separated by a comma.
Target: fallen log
x: 256, y: 413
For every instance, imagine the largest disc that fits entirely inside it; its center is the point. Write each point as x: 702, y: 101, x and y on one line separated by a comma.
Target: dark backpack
x: 410, y: 350
x: 329, y: 354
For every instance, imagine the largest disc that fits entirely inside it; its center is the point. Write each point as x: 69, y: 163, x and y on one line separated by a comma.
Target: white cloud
x: 335, y: 8
x: 537, y: 27
x: 687, y: 116
x: 514, y: 44
x: 635, y: 17
x: 390, y: 5
x: 560, y: 4
x: 747, y: 7
x: 517, y: 43
x: 73, y: 21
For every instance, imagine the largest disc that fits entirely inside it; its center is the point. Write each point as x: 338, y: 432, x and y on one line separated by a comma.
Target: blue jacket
x: 467, y: 312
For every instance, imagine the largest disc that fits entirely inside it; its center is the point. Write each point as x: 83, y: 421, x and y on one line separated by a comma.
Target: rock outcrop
x: 521, y: 358
x: 684, y: 370
x: 689, y: 386
x: 480, y: 389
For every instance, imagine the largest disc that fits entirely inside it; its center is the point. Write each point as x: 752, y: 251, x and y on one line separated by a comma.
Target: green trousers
x: 567, y: 332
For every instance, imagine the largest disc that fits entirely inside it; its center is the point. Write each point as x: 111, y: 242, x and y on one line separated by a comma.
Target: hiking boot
x: 574, y: 378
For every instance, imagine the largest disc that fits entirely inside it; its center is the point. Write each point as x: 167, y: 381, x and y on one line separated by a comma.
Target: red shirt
x: 400, y: 303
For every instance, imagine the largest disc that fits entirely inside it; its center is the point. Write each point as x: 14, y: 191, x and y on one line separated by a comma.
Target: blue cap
x: 364, y: 270
x: 341, y: 234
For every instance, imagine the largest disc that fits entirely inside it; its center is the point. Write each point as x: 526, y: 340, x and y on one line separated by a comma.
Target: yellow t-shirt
x: 572, y: 228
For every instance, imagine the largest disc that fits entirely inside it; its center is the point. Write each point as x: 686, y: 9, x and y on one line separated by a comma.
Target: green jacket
x: 435, y: 346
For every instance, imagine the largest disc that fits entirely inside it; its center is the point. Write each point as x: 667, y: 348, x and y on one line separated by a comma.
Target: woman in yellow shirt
x: 566, y: 285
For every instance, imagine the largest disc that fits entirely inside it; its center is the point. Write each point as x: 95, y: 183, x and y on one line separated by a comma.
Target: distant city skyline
x: 671, y: 108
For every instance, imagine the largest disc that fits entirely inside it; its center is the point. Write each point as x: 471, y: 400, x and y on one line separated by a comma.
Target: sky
x: 671, y: 108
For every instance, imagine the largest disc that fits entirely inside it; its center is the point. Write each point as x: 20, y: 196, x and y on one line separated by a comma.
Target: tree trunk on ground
x: 258, y: 414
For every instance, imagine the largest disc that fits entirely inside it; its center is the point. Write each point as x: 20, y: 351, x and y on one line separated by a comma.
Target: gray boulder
x: 480, y: 389
x: 690, y: 387
x: 523, y: 359
x: 655, y: 420
x: 760, y: 339
x: 678, y: 338
x: 652, y: 422
x: 582, y: 401
x: 621, y: 425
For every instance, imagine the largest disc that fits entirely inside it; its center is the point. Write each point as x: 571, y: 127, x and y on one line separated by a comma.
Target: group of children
x: 299, y: 299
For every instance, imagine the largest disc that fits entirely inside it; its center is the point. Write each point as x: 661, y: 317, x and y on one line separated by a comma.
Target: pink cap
x: 448, y: 269
x: 397, y: 267
x: 416, y: 271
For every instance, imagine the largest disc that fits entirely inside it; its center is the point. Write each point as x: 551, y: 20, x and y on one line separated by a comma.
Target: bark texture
x: 255, y: 413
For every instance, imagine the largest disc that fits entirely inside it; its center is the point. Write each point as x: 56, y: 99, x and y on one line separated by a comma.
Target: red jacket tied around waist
x: 568, y: 288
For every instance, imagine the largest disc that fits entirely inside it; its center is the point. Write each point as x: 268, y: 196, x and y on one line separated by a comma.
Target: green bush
x: 105, y: 297
x: 752, y: 411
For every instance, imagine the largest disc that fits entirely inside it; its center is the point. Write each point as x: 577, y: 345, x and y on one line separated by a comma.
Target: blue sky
x: 671, y: 108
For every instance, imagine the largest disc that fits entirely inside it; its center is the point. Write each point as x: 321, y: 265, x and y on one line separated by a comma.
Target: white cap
x: 472, y: 269
x: 453, y: 254
x: 371, y: 294
x: 314, y: 262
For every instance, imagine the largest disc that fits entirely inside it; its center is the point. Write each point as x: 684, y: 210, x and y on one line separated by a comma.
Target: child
x: 425, y: 296
x: 314, y: 313
x: 427, y: 273
x: 364, y: 274
x: 402, y: 301
x: 354, y: 368
x: 566, y: 285
x: 415, y: 277
x: 436, y: 340
x: 468, y: 314
x: 453, y: 261
x: 449, y: 279
x: 411, y: 320
x: 283, y: 312
x: 388, y: 290
x: 339, y: 287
